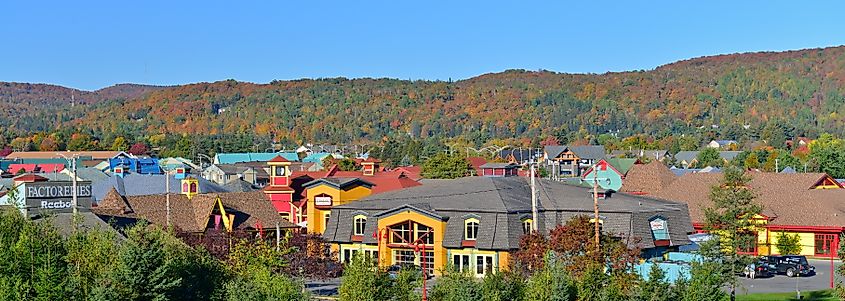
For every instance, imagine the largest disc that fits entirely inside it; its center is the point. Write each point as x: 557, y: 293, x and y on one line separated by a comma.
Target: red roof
x: 391, y: 183
x: 29, y: 178
x: 15, y: 167
x: 278, y: 159
x: 371, y: 160
x: 52, y: 167
x: 413, y: 172
x: 476, y: 163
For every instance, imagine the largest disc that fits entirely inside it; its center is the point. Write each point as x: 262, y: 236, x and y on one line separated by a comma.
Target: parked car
x: 791, y: 265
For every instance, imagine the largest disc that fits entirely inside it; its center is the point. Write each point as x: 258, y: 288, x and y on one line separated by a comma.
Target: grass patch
x: 823, y: 295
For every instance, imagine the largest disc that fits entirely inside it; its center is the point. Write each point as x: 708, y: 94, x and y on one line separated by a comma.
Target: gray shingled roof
x: 592, y: 152
x: 338, y: 182
x: 139, y: 184
x: 502, y: 203
x: 552, y: 151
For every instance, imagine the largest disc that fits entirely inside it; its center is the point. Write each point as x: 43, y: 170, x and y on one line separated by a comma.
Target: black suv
x: 790, y: 265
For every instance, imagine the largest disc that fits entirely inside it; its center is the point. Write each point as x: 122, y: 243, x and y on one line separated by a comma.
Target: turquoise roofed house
x: 609, y: 173
x: 232, y: 158
x: 317, y: 158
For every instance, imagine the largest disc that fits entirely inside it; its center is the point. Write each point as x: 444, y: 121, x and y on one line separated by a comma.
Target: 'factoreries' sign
x: 57, y: 191
x: 57, y: 195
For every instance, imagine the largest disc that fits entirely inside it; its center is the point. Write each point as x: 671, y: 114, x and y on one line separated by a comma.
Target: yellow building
x: 475, y: 223
x: 804, y: 204
x: 325, y: 193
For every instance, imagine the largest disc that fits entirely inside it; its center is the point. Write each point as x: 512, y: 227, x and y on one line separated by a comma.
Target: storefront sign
x: 323, y: 201
x: 658, y: 224
x: 57, y: 195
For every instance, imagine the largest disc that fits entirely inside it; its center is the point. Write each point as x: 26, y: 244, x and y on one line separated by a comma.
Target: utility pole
x: 533, y: 199
x: 596, y: 207
x: 71, y: 162
x: 167, y: 194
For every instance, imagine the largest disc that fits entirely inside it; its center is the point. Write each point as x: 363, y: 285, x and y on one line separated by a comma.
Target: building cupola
x: 370, y: 166
x: 190, y: 187
x: 279, y: 171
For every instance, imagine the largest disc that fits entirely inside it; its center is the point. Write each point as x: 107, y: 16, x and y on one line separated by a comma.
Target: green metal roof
x: 623, y: 165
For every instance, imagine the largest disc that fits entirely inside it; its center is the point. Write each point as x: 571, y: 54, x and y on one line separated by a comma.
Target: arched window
x: 359, y: 222
x: 193, y: 187
x: 527, y: 226
x: 471, y: 229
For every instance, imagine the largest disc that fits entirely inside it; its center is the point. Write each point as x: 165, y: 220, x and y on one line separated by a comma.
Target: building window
x: 659, y: 228
x: 825, y: 244
x: 527, y: 226
x: 360, y: 221
x: 285, y: 215
x: 483, y: 265
x: 747, y: 243
x: 326, y: 219
x: 279, y: 171
x: 471, y: 229
x: 409, y: 233
x: 461, y: 262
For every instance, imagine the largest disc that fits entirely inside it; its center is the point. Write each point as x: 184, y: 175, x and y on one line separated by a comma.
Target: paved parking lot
x: 782, y: 284
x: 776, y: 284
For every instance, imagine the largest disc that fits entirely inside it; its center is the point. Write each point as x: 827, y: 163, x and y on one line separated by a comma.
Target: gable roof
x: 623, y: 165
x: 502, y: 203
x: 134, y: 184
x: 193, y: 214
x: 647, y: 178
x: 231, y: 158
x: 552, y: 151
x: 786, y: 198
x: 591, y: 152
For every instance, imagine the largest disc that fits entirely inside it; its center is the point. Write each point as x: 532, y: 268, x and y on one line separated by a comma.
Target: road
x: 783, y: 284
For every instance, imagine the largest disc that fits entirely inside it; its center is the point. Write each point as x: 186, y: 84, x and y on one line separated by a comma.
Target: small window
x: 360, y: 221
x: 285, y: 215
x: 471, y: 229
x: 279, y: 171
x: 326, y: 218
x: 527, y: 226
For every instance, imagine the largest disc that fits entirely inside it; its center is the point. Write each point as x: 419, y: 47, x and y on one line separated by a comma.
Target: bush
x: 789, y: 244
x: 364, y: 281
x: 551, y: 283
x: 456, y: 286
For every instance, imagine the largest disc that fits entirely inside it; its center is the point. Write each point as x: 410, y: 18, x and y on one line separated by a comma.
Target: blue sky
x: 93, y: 44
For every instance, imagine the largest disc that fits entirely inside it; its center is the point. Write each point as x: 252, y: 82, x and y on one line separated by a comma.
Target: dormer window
x: 659, y: 228
x: 527, y: 226
x: 471, y: 229
x: 359, y: 222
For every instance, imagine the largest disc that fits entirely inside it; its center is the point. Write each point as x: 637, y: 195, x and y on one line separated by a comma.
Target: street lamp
x: 72, y: 164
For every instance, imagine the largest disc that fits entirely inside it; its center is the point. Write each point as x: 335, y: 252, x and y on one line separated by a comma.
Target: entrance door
x: 411, y: 258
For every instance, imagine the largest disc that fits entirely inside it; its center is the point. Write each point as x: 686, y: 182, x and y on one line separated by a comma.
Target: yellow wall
x: 316, y: 220
x: 807, y: 241
x: 438, y: 228
x: 501, y: 258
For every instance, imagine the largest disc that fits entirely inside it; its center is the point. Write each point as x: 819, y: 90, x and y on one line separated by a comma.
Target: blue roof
x: 139, y: 184
x: 316, y: 158
x: 232, y: 158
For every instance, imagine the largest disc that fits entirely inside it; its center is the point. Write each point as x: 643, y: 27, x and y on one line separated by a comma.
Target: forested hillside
x: 42, y: 107
x: 727, y: 96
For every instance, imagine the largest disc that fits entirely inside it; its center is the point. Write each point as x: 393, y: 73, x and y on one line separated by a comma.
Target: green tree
x: 551, y: 283
x: 119, y: 144
x: 709, y: 157
x: 144, y: 270
x: 444, y: 166
x: 502, y: 286
x: 827, y: 154
x: 706, y: 280
x: 90, y: 257
x: 592, y: 284
x: 80, y: 142
x: 788, y: 244
x: 453, y: 285
x: 656, y: 288
x: 364, y: 281
x: 731, y: 219
x: 751, y: 161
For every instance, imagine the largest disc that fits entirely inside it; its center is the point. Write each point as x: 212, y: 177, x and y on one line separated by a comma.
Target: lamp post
x: 72, y: 164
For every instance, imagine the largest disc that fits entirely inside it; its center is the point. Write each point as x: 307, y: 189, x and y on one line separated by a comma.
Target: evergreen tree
x: 656, y: 288
x: 445, y: 166
x: 143, y: 271
x: 551, y: 283
x: 592, y: 284
x: 709, y: 157
x: 453, y: 285
x: 363, y: 281
x: 788, y: 244
x: 731, y: 220
x: 502, y: 286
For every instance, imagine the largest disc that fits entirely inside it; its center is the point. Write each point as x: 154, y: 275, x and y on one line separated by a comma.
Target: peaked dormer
x: 190, y: 187
x: 370, y: 166
x: 180, y: 173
